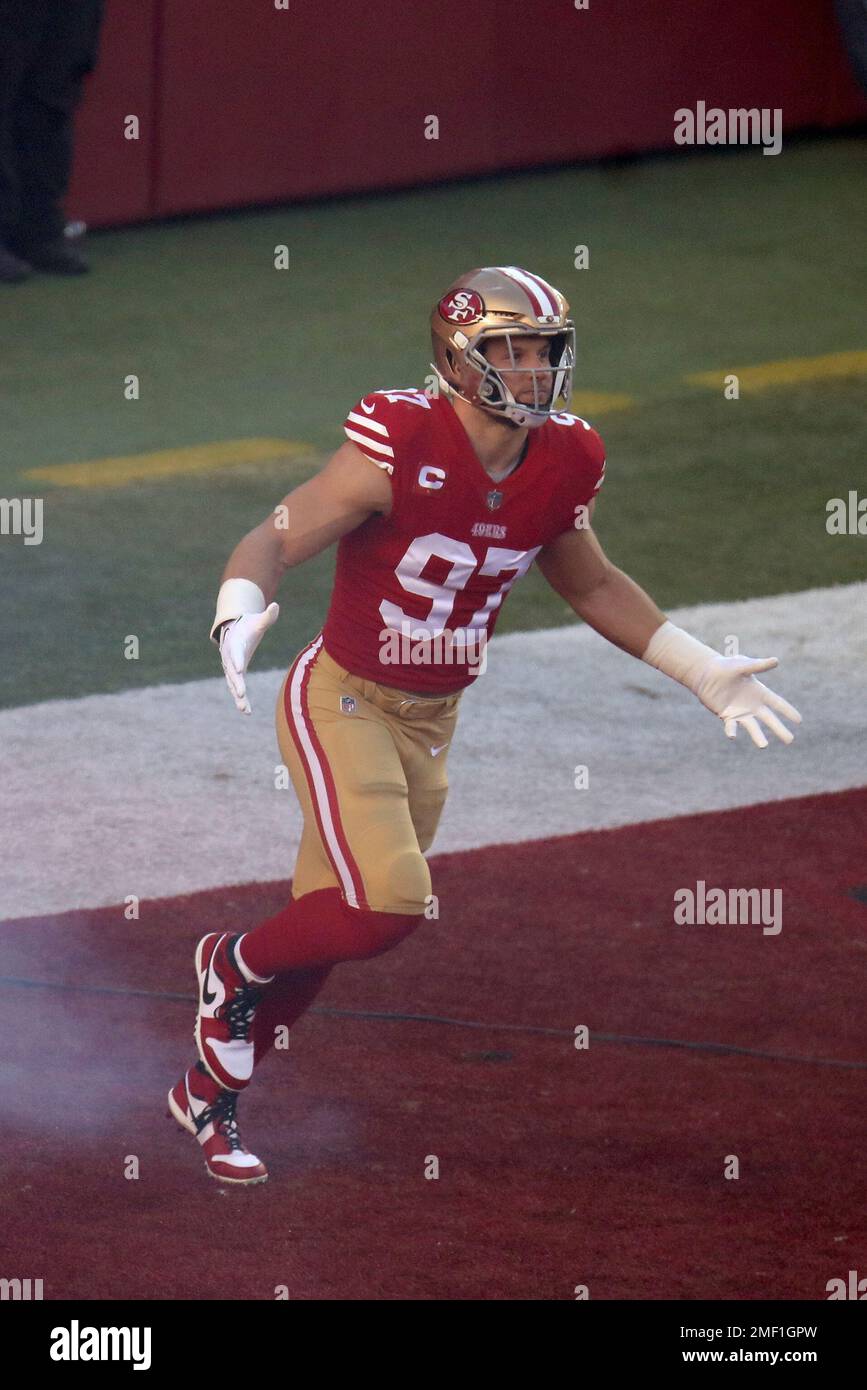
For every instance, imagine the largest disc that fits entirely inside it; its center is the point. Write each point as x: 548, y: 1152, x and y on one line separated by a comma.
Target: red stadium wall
x: 241, y: 103
x: 113, y: 178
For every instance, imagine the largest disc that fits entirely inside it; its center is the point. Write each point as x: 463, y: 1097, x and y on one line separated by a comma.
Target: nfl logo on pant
x: 347, y: 704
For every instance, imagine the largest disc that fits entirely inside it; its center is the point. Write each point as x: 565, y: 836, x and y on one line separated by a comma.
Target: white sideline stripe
x: 315, y: 768
x: 368, y: 423
x: 168, y: 790
x: 369, y: 443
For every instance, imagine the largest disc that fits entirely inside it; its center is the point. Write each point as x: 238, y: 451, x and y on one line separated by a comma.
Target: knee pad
x: 400, y: 884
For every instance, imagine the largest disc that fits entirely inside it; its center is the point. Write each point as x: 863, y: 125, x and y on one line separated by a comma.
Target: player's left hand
x: 727, y: 686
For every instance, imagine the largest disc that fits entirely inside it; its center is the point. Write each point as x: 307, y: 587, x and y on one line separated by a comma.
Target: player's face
x: 530, y: 354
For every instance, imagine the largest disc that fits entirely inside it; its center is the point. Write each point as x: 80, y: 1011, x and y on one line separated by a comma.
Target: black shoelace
x: 222, y: 1113
x: 239, y: 1013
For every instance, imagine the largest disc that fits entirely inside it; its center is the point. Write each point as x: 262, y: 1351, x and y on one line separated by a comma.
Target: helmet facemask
x: 488, y: 387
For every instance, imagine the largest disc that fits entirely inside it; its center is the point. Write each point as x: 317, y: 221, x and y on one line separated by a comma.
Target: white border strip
x: 318, y: 778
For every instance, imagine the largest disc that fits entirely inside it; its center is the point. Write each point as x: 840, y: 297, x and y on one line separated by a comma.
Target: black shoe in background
x: 12, y: 268
x: 57, y: 258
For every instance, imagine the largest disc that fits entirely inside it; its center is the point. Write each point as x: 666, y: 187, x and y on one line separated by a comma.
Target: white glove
x: 238, y: 641
x: 726, y: 685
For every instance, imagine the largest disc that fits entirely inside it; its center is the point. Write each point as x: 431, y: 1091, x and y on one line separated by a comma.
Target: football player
x: 439, y: 500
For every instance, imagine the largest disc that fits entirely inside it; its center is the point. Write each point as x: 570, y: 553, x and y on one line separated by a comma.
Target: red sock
x: 284, y: 1002
x: 319, y: 929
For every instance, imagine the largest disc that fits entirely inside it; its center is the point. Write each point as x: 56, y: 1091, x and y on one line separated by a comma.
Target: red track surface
x: 557, y: 1167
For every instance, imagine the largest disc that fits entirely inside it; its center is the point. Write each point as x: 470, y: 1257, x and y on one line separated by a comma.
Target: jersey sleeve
x: 370, y: 426
x: 384, y: 424
x: 591, y: 466
x: 582, y: 471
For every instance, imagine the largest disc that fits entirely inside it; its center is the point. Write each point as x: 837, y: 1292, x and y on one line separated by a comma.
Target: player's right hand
x: 238, y: 641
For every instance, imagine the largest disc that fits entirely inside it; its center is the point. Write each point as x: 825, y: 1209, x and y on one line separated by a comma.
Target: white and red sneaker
x: 228, y: 995
x: 207, y: 1111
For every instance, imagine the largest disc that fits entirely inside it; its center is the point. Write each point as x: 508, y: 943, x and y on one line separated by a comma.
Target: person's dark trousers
x: 47, y: 47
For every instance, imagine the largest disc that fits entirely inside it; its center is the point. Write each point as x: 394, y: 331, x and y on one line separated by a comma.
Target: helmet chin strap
x: 532, y: 422
x: 449, y: 389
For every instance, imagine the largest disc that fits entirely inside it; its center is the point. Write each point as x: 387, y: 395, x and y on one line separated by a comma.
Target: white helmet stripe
x: 537, y: 291
x: 546, y: 289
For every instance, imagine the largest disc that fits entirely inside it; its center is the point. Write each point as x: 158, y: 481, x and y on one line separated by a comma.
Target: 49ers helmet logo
x: 462, y: 306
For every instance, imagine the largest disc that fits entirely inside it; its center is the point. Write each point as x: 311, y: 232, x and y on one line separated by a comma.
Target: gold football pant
x: 368, y: 763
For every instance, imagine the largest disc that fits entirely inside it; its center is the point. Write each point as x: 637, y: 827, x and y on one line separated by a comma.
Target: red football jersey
x: 417, y: 593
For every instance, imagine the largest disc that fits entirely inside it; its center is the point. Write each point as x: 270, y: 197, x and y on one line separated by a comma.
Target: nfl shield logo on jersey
x: 347, y: 704
x: 494, y: 499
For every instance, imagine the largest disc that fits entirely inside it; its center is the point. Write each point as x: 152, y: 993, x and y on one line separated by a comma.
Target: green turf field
x: 702, y: 262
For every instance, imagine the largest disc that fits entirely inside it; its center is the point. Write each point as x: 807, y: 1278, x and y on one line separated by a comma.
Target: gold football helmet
x: 501, y: 302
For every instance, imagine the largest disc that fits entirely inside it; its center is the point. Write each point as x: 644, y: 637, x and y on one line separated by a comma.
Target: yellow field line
x: 789, y: 372
x: 168, y: 463
x: 228, y: 453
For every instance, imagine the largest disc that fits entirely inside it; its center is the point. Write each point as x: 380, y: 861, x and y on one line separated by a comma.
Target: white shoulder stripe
x: 364, y: 445
x: 370, y: 443
x: 368, y: 424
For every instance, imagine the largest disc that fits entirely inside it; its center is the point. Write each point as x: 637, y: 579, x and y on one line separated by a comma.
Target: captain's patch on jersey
x: 431, y: 478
